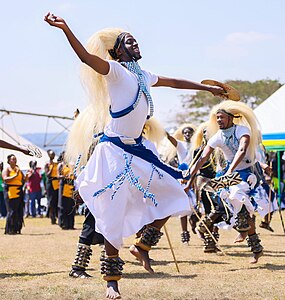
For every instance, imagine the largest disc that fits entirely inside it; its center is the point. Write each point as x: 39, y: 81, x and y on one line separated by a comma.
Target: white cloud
x: 65, y: 7
x: 237, y: 44
x: 243, y: 38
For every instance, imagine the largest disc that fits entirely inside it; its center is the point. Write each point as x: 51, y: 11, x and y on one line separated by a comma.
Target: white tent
x: 271, y: 113
x: 22, y: 159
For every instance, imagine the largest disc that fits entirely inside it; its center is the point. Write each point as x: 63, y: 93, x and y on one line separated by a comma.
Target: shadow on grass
x: 239, y: 254
x: 11, y: 275
x: 190, y: 262
x: 237, y: 245
x: 37, y: 234
x: 272, y: 251
x: 157, y: 275
x: 153, y: 249
x: 270, y: 267
x: 275, y: 234
x: 265, y: 253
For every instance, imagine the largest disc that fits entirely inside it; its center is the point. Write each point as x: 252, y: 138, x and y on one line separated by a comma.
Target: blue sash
x: 125, y: 111
x: 139, y: 150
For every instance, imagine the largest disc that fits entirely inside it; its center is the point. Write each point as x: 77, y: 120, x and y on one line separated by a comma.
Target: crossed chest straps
x: 232, y: 142
x: 134, y: 68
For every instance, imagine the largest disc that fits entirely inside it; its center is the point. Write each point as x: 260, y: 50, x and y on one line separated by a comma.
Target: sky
x: 195, y: 40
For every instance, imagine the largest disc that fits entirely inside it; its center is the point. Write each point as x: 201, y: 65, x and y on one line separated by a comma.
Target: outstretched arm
x: 190, y: 85
x: 172, y: 140
x: 7, y: 145
x: 99, y: 65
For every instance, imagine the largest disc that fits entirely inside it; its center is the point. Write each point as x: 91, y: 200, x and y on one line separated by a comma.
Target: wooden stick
x: 270, y: 195
x: 171, y: 248
x: 279, y: 207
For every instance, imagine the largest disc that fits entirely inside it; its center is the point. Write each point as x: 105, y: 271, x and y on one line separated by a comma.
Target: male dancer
x: 214, y: 210
x: 182, y: 149
x: 238, y: 143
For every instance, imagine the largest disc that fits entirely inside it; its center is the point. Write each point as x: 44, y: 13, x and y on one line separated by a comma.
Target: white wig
x: 153, y: 131
x: 96, y: 115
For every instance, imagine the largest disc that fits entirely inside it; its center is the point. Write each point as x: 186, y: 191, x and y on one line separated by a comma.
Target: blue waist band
x: 139, y: 150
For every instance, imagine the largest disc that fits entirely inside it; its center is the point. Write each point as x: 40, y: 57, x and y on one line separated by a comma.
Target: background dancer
x: 238, y: 143
x: 214, y: 210
x: 182, y: 148
x: 264, y: 172
x: 87, y: 237
x: 122, y: 90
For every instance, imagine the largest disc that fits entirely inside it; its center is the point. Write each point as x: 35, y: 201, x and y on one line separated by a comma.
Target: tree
x: 197, y: 107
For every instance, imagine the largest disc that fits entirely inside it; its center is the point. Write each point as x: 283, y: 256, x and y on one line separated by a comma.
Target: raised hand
x: 217, y: 91
x: 55, y: 20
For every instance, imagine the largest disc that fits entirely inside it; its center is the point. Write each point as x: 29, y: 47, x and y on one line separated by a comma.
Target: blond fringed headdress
x: 153, y: 131
x: 178, y: 135
x: 95, y: 117
x: 80, y: 137
x: 243, y: 115
x: 198, y: 137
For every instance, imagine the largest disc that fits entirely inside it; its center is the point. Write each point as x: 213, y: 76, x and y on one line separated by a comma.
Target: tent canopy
x: 271, y: 116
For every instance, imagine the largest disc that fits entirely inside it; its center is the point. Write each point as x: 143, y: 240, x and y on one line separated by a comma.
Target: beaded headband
x: 223, y: 111
x: 117, y: 44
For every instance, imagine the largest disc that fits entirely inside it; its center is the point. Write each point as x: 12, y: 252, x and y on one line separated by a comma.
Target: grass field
x: 35, y: 265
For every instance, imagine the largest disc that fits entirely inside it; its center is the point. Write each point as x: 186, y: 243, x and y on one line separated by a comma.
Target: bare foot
x: 143, y: 257
x: 112, y: 291
x: 256, y: 256
x: 241, y: 237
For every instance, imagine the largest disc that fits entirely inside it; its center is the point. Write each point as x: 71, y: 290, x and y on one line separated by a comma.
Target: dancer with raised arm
x: 124, y: 184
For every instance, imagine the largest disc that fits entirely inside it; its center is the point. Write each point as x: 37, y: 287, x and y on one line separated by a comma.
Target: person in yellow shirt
x: 52, y: 186
x: 14, y: 179
x: 66, y: 203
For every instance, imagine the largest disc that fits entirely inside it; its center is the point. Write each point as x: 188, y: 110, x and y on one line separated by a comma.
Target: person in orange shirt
x: 52, y: 186
x: 14, y: 180
x: 66, y: 203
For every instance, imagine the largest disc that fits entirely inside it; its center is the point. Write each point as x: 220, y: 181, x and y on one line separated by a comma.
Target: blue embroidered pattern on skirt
x: 128, y: 174
x: 76, y: 165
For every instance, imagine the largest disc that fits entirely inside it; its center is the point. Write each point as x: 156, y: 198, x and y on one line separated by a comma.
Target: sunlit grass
x: 35, y: 265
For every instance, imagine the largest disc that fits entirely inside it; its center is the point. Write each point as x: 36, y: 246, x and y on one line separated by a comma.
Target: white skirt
x: 265, y: 206
x: 119, y: 206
